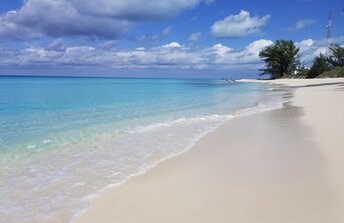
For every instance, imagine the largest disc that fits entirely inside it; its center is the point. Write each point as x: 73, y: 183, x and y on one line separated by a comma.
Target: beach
x: 69, y: 138
x: 171, y: 111
x: 283, y: 165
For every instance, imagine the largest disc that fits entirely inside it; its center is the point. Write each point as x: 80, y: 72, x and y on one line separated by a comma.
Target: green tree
x: 336, y: 58
x: 281, y: 59
x: 320, y: 65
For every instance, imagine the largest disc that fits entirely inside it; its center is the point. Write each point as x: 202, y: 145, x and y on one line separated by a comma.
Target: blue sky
x: 157, y: 38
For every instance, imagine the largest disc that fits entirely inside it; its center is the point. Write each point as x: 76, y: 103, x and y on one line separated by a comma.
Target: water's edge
x: 284, y: 92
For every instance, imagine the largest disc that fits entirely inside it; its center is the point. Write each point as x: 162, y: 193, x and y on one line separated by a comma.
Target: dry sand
x: 278, y: 166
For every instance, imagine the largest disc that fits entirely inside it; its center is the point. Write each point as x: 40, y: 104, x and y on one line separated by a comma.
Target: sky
x: 158, y: 38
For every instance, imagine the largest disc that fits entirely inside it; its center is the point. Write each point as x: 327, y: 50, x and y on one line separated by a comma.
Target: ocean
x: 63, y: 139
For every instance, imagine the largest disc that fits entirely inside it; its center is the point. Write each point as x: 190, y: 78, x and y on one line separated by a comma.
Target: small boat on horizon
x: 229, y: 80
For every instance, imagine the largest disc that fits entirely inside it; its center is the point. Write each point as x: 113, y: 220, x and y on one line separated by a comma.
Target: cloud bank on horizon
x: 178, y: 35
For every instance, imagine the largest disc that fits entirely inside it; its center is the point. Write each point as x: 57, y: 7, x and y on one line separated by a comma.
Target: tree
x: 336, y: 58
x: 281, y: 59
x: 320, y: 65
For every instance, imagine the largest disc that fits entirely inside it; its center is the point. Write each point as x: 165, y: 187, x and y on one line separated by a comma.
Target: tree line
x: 282, y: 61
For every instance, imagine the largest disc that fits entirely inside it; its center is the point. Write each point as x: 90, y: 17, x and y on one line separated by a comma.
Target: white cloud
x: 248, y: 55
x: 221, y: 50
x: 172, y: 45
x: 195, y: 36
x: 255, y: 47
x: 58, y: 18
x: 173, y: 55
x: 103, y: 18
x: 310, y: 48
x: 305, y: 44
x: 239, y: 25
x: 302, y: 23
x: 170, y: 56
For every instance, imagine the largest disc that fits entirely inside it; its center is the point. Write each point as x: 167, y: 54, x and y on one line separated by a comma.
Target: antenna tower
x: 329, y: 28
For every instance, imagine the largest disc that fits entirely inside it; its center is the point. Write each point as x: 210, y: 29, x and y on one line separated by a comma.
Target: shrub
x: 335, y: 72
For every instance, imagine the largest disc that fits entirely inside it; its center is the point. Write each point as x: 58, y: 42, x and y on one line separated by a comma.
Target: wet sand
x: 278, y: 166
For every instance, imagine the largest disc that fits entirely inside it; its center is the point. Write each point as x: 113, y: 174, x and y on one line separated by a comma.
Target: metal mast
x: 329, y: 27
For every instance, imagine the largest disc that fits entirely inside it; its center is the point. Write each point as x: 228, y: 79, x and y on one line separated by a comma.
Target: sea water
x: 62, y: 140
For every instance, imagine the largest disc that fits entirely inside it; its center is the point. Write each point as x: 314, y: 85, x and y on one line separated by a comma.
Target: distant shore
x: 296, y: 82
x: 280, y: 166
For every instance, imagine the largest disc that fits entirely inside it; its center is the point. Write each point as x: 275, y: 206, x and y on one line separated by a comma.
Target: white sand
x: 279, y: 166
x: 324, y: 113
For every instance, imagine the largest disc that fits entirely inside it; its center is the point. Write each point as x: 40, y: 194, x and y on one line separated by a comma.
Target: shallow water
x: 64, y: 139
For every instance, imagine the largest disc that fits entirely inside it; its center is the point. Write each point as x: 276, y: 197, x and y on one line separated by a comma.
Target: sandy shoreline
x: 278, y: 166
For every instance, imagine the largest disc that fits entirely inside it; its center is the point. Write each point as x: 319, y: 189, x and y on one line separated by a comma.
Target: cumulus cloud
x: 103, y: 18
x: 310, y: 48
x: 302, y: 23
x: 195, y: 36
x: 305, y: 44
x: 249, y: 55
x: 221, y: 52
x: 255, y: 47
x: 240, y: 25
x: 172, y: 56
x: 57, y: 18
x: 169, y: 56
x: 172, y: 45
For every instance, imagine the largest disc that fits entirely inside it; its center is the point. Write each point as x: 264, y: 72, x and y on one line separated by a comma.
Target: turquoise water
x: 63, y: 139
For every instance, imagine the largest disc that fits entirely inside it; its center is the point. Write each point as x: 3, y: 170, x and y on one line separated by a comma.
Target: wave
x: 211, y: 121
x: 68, y: 176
